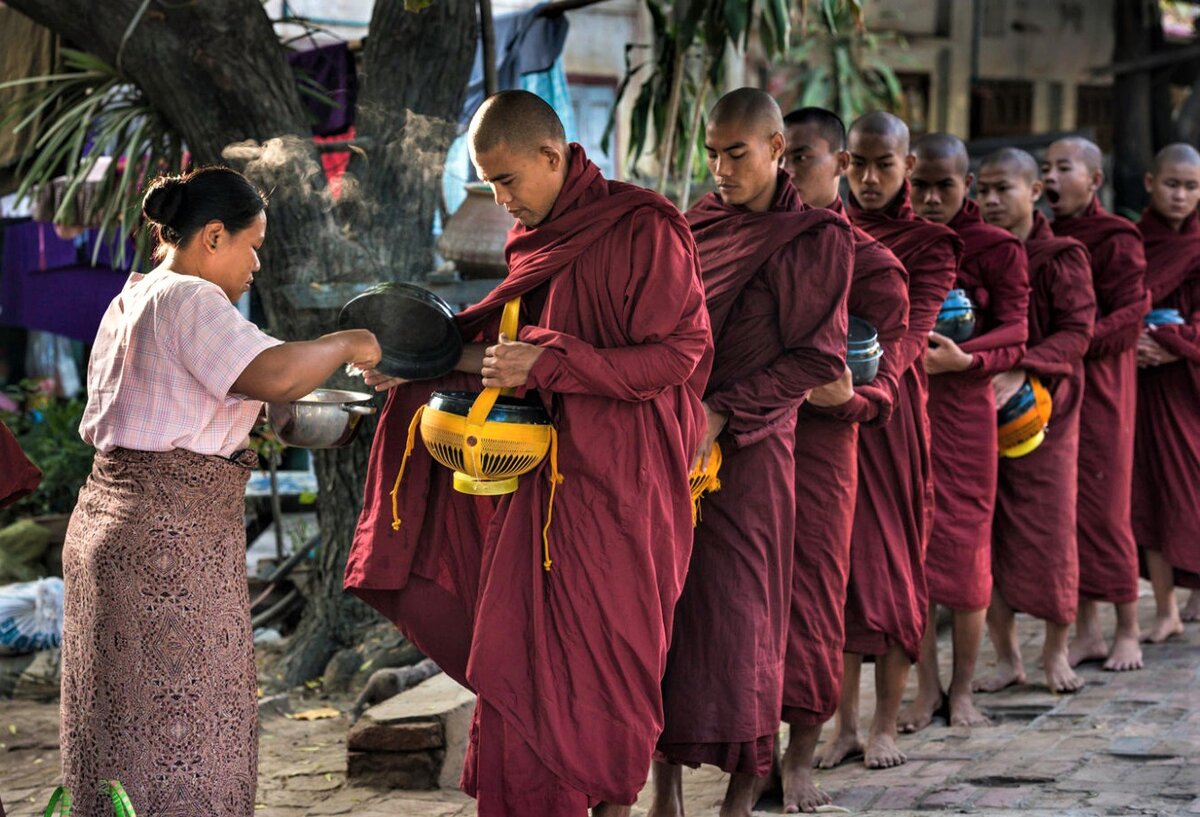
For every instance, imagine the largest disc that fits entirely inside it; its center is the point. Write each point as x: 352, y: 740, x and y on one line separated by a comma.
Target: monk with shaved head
x: 962, y: 413
x: 1166, y: 484
x: 776, y: 275
x: 559, y: 622
x: 1035, y: 558
x: 1072, y: 173
x: 886, y: 597
x: 826, y: 463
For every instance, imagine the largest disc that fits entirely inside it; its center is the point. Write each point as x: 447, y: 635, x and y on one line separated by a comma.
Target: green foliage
x: 836, y: 66
x: 89, y: 113
x: 47, y: 429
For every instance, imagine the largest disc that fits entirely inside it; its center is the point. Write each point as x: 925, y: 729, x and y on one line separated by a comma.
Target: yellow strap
x: 555, y: 480
x: 408, y: 447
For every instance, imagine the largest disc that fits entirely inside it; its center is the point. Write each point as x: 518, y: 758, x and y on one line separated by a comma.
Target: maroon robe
x: 962, y: 413
x: 1166, y: 483
x: 566, y: 663
x: 887, y: 600
x: 826, y: 487
x: 776, y: 284
x: 1108, y: 569
x: 1035, y: 558
x: 18, y: 476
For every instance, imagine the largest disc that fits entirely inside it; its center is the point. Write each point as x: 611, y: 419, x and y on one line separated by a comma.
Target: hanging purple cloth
x: 332, y: 66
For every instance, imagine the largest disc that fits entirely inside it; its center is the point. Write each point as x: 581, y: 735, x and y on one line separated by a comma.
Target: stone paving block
x: 397, y: 770
x: 944, y: 769
x: 1010, y: 798
x: 949, y: 797
x: 1115, y: 800
x: 899, y: 797
x: 1194, y: 808
x: 857, y: 798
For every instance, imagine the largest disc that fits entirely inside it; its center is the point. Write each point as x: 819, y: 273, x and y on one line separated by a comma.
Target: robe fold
x: 962, y: 413
x: 1108, y: 568
x: 1035, y: 558
x: 776, y: 285
x: 18, y: 476
x: 1166, y: 473
x: 887, y: 600
x: 826, y: 488
x: 566, y: 663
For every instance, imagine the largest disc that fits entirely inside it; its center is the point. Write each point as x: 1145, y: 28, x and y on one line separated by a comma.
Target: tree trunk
x: 1136, y: 27
x: 217, y: 73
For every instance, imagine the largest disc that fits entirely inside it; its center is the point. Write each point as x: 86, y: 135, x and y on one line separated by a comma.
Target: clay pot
x: 474, y: 236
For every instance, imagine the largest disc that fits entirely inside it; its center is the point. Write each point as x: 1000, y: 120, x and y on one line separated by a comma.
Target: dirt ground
x: 1127, y: 744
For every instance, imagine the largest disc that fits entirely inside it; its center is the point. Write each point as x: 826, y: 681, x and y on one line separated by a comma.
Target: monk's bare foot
x: 1006, y: 675
x: 1060, y: 678
x: 743, y: 792
x: 1191, y: 612
x: 1126, y: 655
x: 800, y: 791
x: 920, y: 713
x: 1164, y: 627
x: 1086, y: 648
x: 963, y: 711
x: 883, y: 753
x: 843, y: 747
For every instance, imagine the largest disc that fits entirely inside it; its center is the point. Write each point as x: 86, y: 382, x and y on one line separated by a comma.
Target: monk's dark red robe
x: 962, y: 414
x: 1035, y: 558
x: 18, y: 476
x: 887, y: 600
x: 776, y: 284
x: 1108, y: 568
x: 566, y: 663
x: 826, y: 488
x: 1166, y: 474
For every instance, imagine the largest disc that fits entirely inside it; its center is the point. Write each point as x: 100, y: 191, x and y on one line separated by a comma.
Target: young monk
x: 826, y: 463
x: 886, y: 599
x: 1166, y: 483
x: 1108, y: 569
x: 563, y: 638
x: 776, y: 275
x: 1035, y: 560
x: 962, y: 415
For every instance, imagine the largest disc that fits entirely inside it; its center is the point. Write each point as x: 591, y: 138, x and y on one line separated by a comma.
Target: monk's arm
x: 1183, y: 341
x: 665, y: 320
x: 881, y: 299
x: 930, y: 277
x: 811, y: 290
x: 1006, y: 278
x: 1121, y: 292
x: 1073, y: 310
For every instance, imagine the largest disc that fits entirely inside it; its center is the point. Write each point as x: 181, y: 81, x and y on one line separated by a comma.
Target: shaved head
x: 1013, y: 160
x: 519, y: 119
x: 936, y: 147
x: 826, y: 123
x: 748, y: 108
x: 1084, y: 150
x: 885, y: 125
x: 1177, y: 153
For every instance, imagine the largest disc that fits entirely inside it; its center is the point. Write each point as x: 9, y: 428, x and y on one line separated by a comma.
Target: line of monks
x: 605, y: 633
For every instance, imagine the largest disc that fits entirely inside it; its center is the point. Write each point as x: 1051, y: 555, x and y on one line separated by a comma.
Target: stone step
x: 414, y: 740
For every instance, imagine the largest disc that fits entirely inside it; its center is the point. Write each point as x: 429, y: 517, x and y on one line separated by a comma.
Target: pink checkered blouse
x: 167, y: 352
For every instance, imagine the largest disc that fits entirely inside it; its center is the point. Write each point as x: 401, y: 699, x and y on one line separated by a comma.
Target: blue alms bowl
x: 956, y: 319
x: 1164, y: 317
x: 863, y: 351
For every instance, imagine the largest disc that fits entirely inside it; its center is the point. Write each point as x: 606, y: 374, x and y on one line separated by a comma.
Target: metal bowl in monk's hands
x: 863, y: 351
x: 325, y: 418
x: 956, y: 319
x: 1164, y: 317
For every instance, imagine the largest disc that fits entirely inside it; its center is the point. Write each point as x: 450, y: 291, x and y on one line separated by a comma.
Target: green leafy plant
x: 47, y: 429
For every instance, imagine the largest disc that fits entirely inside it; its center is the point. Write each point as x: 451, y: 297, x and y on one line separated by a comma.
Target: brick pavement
x: 1129, y: 743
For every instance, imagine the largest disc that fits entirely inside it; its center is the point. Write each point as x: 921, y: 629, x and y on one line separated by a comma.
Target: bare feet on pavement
x: 883, y: 753
x: 963, y: 711
x: 1191, y: 612
x: 1005, y: 675
x: 800, y: 791
x: 920, y: 713
x: 843, y: 747
x: 1164, y: 628
x: 1086, y: 648
x: 1060, y: 678
x: 1126, y: 655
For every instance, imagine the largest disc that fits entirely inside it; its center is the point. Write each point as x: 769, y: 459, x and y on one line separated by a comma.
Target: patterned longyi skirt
x: 158, y: 677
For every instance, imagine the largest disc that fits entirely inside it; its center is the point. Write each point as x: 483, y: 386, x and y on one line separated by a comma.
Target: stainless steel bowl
x: 325, y: 418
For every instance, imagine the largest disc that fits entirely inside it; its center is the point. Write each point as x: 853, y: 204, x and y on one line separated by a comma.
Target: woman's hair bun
x: 163, y: 200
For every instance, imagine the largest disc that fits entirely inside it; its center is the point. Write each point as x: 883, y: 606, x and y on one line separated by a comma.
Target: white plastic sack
x: 31, y: 616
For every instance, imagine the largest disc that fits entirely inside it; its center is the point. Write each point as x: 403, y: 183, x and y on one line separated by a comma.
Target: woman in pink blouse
x: 158, y: 677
